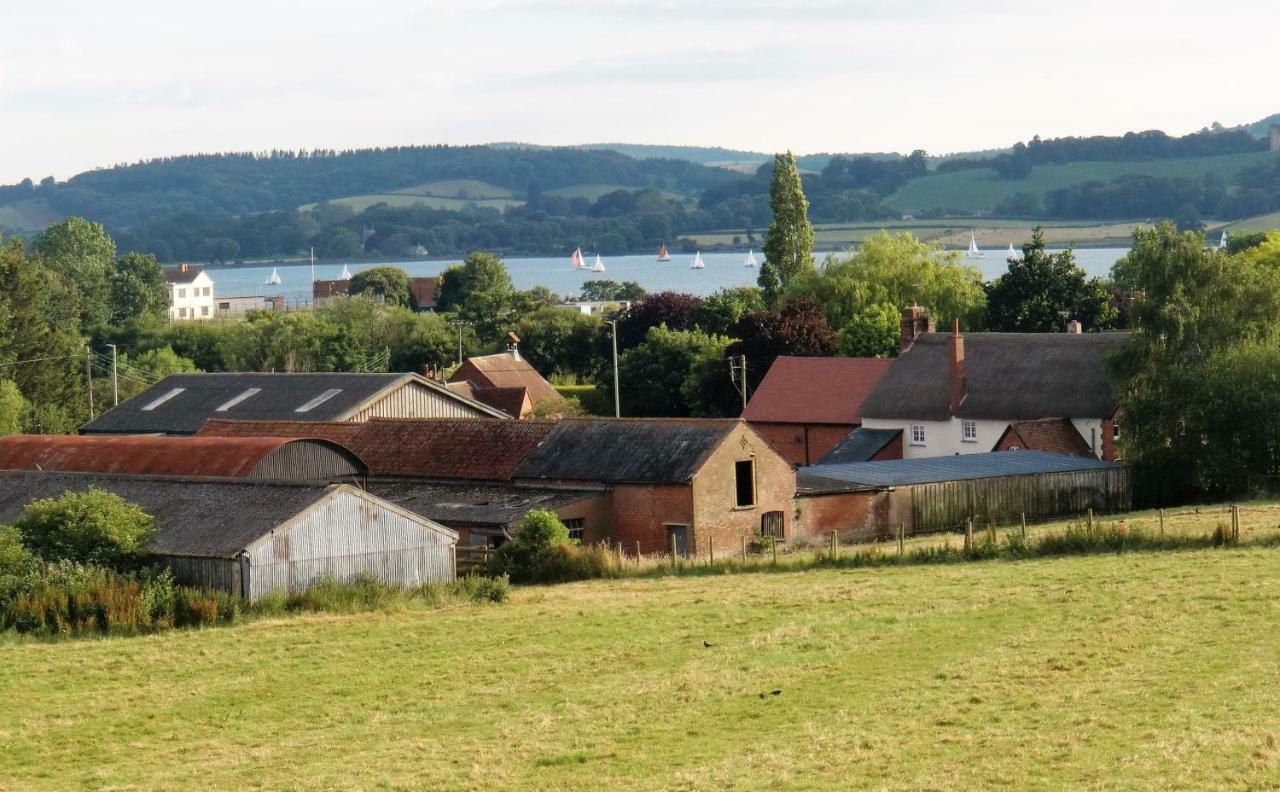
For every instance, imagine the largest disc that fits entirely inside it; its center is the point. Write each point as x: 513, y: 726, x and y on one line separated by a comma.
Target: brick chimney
x: 1074, y: 327
x: 182, y: 267
x: 956, y: 386
x: 915, y: 320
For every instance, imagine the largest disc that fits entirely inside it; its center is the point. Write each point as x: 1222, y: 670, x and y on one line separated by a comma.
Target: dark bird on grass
x: 776, y: 692
x: 707, y: 645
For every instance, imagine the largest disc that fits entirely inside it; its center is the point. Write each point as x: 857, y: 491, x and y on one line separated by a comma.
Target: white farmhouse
x: 190, y: 293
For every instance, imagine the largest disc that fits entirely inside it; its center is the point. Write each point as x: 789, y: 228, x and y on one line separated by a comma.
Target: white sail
x: 662, y: 253
x: 599, y: 265
x: 974, y: 250
x: 697, y: 261
x: 1222, y: 242
x: 346, y: 273
x: 1012, y: 253
x: 750, y: 260
x: 576, y: 259
x: 274, y: 280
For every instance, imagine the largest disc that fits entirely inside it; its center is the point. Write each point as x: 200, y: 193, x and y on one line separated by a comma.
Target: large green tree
x: 873, y: 332
x: 84, y: 256
x: 1042, y: 291
x: 137, y: 288
x: 788, y: 246
x: 389, y: 284
x: 665, y: 372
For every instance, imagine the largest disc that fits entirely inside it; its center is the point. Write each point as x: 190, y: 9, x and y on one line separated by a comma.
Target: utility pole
x: 115, y: 380
x: 738, y: 376
x: 459, y: 323
x: 88, y: 376
x: 617, y: 398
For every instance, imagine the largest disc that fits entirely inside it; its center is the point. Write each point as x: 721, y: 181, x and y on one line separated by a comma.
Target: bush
x: 93, y: 527
x: 71, y: 599
x: 18, y: 567
x: 195, y: 608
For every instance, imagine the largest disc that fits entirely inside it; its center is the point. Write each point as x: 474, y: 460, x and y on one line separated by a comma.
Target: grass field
x: 954, y: 233
x: 27, y: 216
x: 592, y: 192
x: 466, y: 189
x: 980, y: 190
x: 1137, y: 671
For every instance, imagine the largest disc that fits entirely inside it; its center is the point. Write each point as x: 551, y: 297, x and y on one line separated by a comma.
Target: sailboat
x: 750, y: 260
x: 575, y: 260
x: 974, y: 250
x: 662, y: 252
x: 346, y: 273
x: 1012, y: 253
x: 274, y: 280
x: 1222, y: 242
x: 599, y: 265
x: 697, y: 261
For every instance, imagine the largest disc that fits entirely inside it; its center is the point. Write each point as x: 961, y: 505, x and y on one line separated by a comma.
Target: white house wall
x: 346, y: 535
x: 944, y: 438
x: 192, y: 298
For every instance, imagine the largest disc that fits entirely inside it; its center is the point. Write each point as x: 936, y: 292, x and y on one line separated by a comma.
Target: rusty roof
x: 815, y: 390
x: 505, y: 370
x: 428, y: 448
x: 219, y: 457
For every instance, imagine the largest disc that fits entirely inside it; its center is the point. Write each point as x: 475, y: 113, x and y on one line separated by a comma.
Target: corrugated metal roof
x: 429, y: 448
x: 494, y: 506
x: 903, y: 472
x: 859, y: 446
x: 821, y: 390
x: 618, y: 450
x: 229, y: 457
x: 1009, y: 376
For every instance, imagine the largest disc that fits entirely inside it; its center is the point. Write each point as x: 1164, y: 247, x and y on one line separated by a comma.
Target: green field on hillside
x: 592, y: 192
x: 1267, y: 222
x: 466, y: 189
x: 1138, y: 671
x: 27, y: 216
x: 980, y: 190
x: 359, y: 203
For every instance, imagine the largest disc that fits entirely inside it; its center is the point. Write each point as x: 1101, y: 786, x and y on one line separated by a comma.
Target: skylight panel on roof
x: 237, y: 399
x: 319, y: 400
x: 166, y: 397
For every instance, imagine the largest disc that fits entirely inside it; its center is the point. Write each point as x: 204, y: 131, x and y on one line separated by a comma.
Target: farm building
x: 423, y: 289
x: 866, y: 445
x: 940, y: 493
x: 260, y: 458
x: 505, y: 381
x: 804, y: 406
x: 957, y: 393
x: 250, y: 539
x: 181, y: 403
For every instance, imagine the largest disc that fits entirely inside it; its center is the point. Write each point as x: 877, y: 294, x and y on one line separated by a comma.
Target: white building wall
x: 192, y: 300
x: 945, y: 438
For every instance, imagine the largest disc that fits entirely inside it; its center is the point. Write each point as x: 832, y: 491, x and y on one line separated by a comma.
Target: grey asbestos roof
x: 197, y: 397
x: 904, y: 472
x: 476, y: 505
x: 625, y: 450
x: 859, y: 446
x: 212, y: 519
x: 1010, y: 376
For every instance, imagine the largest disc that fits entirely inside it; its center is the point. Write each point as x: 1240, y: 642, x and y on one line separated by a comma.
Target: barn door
x: 679, y: 534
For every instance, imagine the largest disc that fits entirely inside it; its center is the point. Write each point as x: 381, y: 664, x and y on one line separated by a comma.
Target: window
x: 204, y: 310
x: 744, y: 474
x: 182, y: 293
x: 917, y: 434
x: 224, y: 306
x: 319, y: 400
x: 969, y: 431
x: 166, y: 397
x: 208, y: 291
x: 1115, y: 430
x: 577, y: 528
x: 227, y: 405
x: 771, y: 525
x: 182, y: 313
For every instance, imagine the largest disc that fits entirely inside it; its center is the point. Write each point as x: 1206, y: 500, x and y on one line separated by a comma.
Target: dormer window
x: 227, y: 405
x: 319, y: 400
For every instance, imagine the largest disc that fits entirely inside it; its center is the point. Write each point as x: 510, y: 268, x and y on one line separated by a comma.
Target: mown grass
x: 1120, y: 671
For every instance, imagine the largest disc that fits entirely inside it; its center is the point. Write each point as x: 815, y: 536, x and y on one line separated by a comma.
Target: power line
x: 40, y: 360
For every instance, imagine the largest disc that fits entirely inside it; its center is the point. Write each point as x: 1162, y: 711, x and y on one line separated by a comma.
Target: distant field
x: 980, y: 190
x: 466, y: 189
x: 592, y: 192
x: 27, y: 216
x: 1267, y: 222
x: 954, y: 233
x: 359, y: 203
x: 1121, y: 672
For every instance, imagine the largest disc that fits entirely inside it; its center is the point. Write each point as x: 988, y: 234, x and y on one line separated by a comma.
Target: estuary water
x: 722, y: 270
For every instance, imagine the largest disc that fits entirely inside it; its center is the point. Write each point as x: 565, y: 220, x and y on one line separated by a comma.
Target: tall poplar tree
x: 788, y: 246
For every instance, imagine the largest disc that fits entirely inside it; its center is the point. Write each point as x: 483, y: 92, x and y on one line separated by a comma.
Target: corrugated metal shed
x: 903, y: 472
x: 625, y: 450
x: 860, y: 446
x: 478, y: 505
x: 229, y: 457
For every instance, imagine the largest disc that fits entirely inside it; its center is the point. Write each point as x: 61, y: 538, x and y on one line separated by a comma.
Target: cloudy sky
x: 89, y: 83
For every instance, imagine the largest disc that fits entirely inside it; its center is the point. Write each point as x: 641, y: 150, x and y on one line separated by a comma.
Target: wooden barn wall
x: 415, y: 400
x: 221, y: 574
x: 945, y: 505
x: 345, y: 536
x: 305, y: 461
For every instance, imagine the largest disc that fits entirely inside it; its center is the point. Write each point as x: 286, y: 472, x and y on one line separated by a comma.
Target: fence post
x: 773, y: 542
x: 1162, y: 522
x: 637, y: 552
x: 711, y: 548
x: 1024, y: 525
x: 1235, y: 522
x: 902, y: 530
x: 673, y: 548
x: 622, y: 556
x: 1089, y: 516
x: 968, y: 535
x: 744, y: 547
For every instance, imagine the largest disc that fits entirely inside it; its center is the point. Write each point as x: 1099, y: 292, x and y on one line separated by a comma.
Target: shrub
x: 18, y: 567
x: 93, y: 527
x: 195, y: 608
x: 71, y: 599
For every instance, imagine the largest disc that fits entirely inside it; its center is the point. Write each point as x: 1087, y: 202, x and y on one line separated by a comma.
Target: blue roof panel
x: 902, y: 472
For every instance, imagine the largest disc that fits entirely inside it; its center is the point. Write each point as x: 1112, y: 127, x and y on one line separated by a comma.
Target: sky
x: 91, y: 84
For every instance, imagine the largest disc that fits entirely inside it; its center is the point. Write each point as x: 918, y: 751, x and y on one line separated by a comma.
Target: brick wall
x: 856, y: 516
x: 596, y: 514
x: 714, y: 493
x: 641, y: 512
x: 802, y: 444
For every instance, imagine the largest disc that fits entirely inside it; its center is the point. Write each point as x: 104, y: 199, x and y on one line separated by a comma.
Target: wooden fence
x: 945, y: 505
x: 472, y: 559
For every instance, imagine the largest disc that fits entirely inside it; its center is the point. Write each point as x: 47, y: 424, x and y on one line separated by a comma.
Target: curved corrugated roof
x: 220, y: 457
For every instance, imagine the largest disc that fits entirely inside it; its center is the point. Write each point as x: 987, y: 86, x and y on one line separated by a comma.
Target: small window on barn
x: 744, y: 474
x: 771, y: 525
x: 1115, y: 430
x: 969, y: 431
x: 917, y: 434
x: 224, y: 306
x: 319, y: 400
x: 227, y: 405
x: 148, y: 407
x: 577, y: 528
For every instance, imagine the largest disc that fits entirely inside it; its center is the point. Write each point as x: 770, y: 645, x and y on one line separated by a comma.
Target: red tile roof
x: 222, y: 457
x: 815, y: 390
x: 1054, y: 435
x: 431, y: 448
x: 505, y: 370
